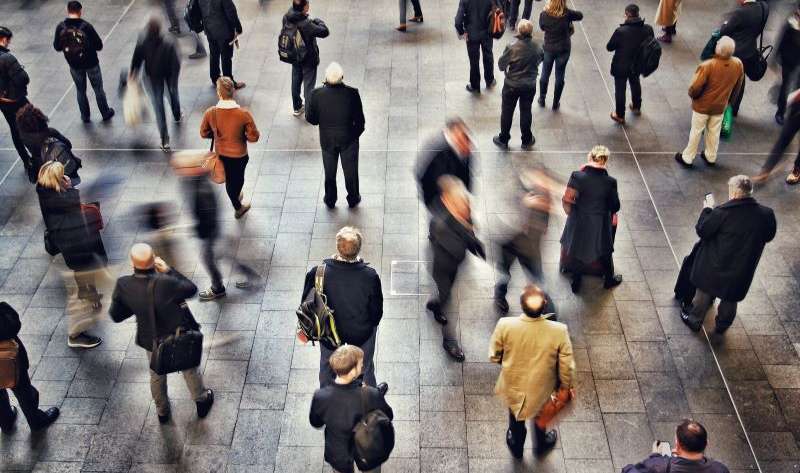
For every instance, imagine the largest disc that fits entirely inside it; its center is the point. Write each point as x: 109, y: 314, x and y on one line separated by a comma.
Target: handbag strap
x: 319, y: 278
x: 669, y: 464
x: 213, y: 128
x: 763, y: 25
x: 151, y: 308
x: 363, y: 402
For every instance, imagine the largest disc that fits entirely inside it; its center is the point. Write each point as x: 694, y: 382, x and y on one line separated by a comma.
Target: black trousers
x: 234, y: 178
x: 791, y: 126
x: 10, y: 113
x: 210, y: 262
x: 28, y: 399
x: 510, y: 97
x: 474, y: 50
x: 607, y: 262
x: 304, y: 76
x: 444, y: 272
x: 220, y: 52
x: 513, y: 14
x: 621, y: 89
x: 330, y: 162
x: 789, y: 78
x: 509, y: 251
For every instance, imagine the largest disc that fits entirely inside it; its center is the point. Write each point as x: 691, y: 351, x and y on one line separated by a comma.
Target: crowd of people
x: 731, y: 235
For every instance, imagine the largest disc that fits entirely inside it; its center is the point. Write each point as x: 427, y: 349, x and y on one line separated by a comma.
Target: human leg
x: 28, y: 400
x: 210, y: 262
x: 513, y: 14
x: 713, y: 128
x: 226, y: 55
x: 369, y: 364
x: 526, y: 116
x: 526, y: 13
x: 620, y: 92
x: 199, y: 47
x: 330, y: 164
x: 417, y: 8
x: 790, y: 128
x: 174, y: 97
x: 544, y: 79
x: 234, y: 178
x: 699, y: 121
x: 349, y: 158
x: 507, y: 257
x: 297, y: 82
x: 194, y: 383
x: 158, y: 390
x: 403, y: 4
x: 700, y: 305
x: 737, y: 101
x: 172, y: 16
x: 636, y: 91
x: 96, y: 79
x: 79, y: 78
x: 214, y: 56
x: 726, y: 313
x: 561, y: 72
x: 473, y: 53
x: 309, y: 80
x: 156, y: 89
x: 488, y: 60
x: 509, y: 99
x: 515, y: 435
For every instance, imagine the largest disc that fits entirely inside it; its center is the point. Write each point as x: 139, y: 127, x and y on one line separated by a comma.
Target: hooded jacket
x: 625, y: 44
x: 310, y: 29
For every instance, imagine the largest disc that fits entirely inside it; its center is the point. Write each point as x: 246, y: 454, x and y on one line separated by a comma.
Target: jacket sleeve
x: 655, y: 463
x: 574, y: 15
x: 461, y: 16
x: 184, y: 288
x: 205, y: 126
x: 613, y: 198
x: 739, y: 83
x: 95, y: 38
x: 504, y: 60
x: 309, y: 283
x: 698, y: 81
x: 383, y: 405
x: 771, y: 226
x: 613, y: 43
x: 138, y: 57
x: 375, y: 304
x: 731, y: 25
x: 709, y: 222
x: 57, y: 135
x: 312, y: 109
x: 496, y: 344
x: 358, y: 114
x: 566, y: 362
x: 232, y: 16
x: 250, y: 130
x: 316, y: 28
x: 57, y: 38
x: 17, y: 74
x: 10, y: 324
x: 119, y: 310
x: 315, y: 414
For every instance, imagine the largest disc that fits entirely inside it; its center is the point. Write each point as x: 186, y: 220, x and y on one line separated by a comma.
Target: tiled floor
x: 641, y: 371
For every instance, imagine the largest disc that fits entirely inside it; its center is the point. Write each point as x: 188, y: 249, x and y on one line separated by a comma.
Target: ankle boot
x: 545, y: 440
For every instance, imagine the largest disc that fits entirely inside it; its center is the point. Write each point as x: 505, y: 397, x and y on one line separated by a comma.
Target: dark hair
x: 30, y: 119
x: 532, y: 292
x: 453, y: 122
x: 692, y: 436
x: 632, y: 10
x: 5, y: 32
x: 74, y: 6
x: 299, y: 5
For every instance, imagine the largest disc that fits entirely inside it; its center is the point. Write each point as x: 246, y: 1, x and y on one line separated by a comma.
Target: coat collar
x: 541, y: 318
x: 227, y: 104
x: 638, y: 21
x: 595, y: 170
x: 739, y: 202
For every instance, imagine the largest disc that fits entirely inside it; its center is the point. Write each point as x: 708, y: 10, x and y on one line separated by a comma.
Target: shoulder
x: 558, y: 327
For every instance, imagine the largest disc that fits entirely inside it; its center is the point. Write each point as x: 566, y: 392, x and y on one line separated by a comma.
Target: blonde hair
x: 599, y: 154
x: 556, y: 8
x: 51, y: 176
x: 345, y: 358
x: 348, y: 242
x: 225, y: 88
x: 524, y: 28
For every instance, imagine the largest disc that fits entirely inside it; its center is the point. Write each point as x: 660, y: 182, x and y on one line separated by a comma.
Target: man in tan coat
x: 538, y: 370
x: 667, y: 18
x: 715, y: 82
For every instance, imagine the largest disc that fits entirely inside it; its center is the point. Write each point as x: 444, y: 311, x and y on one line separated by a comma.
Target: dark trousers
x: 510, y: 97
x: 790, y: 128
x: 10, y: 113
x: 620, y: 91
x: 560, y: 61
x: 169, y: 8
x: 220, y: 52
x: 95, y: 77
x: 670, y: 30
x: 404, y: 6
x: 157, y: 87
x: 305, y: 76
x: 789, y: 79
x: 737, y: 99
x: 210, y: 262
x: 28, y: 399
x: 234, y: 178
x: 509, y: 252
x: 326, y: 373
x: 513, y: 14
x: 474, y: 50
x: 330, y: 162
x: 444, y: 272
x: 726, y: 311
x: 607, y: 262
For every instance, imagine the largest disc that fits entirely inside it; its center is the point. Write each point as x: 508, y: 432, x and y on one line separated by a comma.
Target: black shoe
x: 383, y: 388
x: 576, y: 284
x: 545, y: 441
x: 541, y: 101
x: 516, y: 451
x: 50, y: 416
x: 720, y: 330
x: 354, y: 202
x: 164, y: 419
x: 490, y: 85
x: 110, y: 115
x: 452, y: 349
x: 86, y: 119
x: 198, y: 55
x: 685, y: 318
x: 615, y: 281
x: 556, y: 105
x: 529, y: 145
x: 416, y: 19
x: 329, y: 204
x: 679, y: 159
x: 500, y: 143
x: 8, y: 428
x: 204, y: 406
x: 473, y: 89
x: 436, y: 309
x: 239, y: 85
x: 708, y: 163
x: 501, y: 304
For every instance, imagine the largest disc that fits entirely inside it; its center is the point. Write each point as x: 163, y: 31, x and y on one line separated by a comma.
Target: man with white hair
x: 732, y: 238
x: 716, y: 81
x: 337, y: 109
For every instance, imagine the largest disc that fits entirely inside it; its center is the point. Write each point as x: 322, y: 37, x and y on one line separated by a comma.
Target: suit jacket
x: 472, y: 18
x: 744, y: 26
x: 536, y: 359
x: 171, y: 291
x: 220, y: 20
x: 9, y: 329
x: 440, y: 160
x: 625, y: 43
x: 338, y: 111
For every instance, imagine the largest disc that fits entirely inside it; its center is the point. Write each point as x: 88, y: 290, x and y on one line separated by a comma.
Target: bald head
x: 142, y: 256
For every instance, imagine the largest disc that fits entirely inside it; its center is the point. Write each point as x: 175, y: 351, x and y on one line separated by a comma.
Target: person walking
x: 172, y: 16
x: 556, y: 22
x: 162, y: 66
x: 13, y: 93
x: 537, y: 365
x: 590, y: 202
x: 156, y: 287
x: 341, y: 404
x: 417, y: 18
x: 222, y: 26
x: 35, y: 133
x: 79, y: 42
x: 27, y: 396
x: 787, y: 54
x: 789, y: 130
x: 513, y: 11
x: 688, y: 456
x: 472, y: 25
x: 626, y: 43
x: 337, y: 109
x: 732, y: 238
x: 715, y: 82
x: 304, y: 73
x: 520, y: 63
x: 744, y: 25
x: 667, y: 18
x: 231, y: 127
x: 354, y: 294
x: 449, y: 153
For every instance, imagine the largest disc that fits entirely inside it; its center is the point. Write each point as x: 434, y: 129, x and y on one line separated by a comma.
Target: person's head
x: 725, y: 47
x: 455, y: 195
x: 74, y: 8
x: 300, y: 6
x: 51, y: 176
x: 740, y: 187
x: 5, y: 36
x: 142, y: 256
x: 690, y: 438
x: 347, y: 362
x: 348, y: 242
x: 632, y: 11
x: 598, y: 156
x: 524, y: 29
x: 225, y: 88
x: 334, y: 74
x: 532, y: 301
x: 556, y: 8
x: 31, y: 120
x: 153, y: 26
x: 459, y: 135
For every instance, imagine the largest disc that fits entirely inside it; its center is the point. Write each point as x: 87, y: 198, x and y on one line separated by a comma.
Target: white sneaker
x: 299, y: 111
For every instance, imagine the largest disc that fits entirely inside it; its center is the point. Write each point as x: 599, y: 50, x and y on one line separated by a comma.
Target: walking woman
x: 34, y: 131
x: 667, y: 18
x: 230, y: 127
x: 417, y: 18
x: 787, y: 54
x: 556, y: 22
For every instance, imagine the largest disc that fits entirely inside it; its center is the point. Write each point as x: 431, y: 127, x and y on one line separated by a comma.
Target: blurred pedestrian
x: 222, y: 26
x: 789, y: 130
x: 172, y: 16
x: 715, y: 82
x: 787, y: 54
x: 162, y: 66
x: 449, y: 153
x: 78, y: 240
x: 304, y: 72
x: 13, y: 92
x: 156, y: 287
x: 27, y: 396
x: 688, y: 456
x: 626, y: 43
x: 538, y: 369
x: 472, y: 26
x: 744, y: 25
x: 337, y: 109
x: 556, y: 22
x: 590, y: 201
x: 39, y: 138
x: 230, y: 127
x: 417, y: 18
x: 732, y: 238
x: 667, y: 18
x: 520, y: 63
x: 513, y: 12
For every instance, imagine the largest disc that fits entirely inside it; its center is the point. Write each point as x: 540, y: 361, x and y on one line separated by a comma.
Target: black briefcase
x: 179, y: 351
x: 684, y: 289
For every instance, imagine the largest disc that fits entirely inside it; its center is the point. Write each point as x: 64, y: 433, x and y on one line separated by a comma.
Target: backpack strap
x: 364, y: 403
x: 669, y: 464
x: 319, y: 278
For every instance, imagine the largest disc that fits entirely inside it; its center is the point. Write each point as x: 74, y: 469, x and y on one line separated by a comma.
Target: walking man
x: 472, y: 25
x: 13, y: 93
x: 222, y: 27
x: 744, y: 25
x: 337, y: 109
x: 80, y: 42
x: 625, y: 43
x: 789, y: 130
x: 304, y: 73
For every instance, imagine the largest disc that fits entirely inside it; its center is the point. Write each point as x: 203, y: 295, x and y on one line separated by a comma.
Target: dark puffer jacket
x: 520, y: 62
x: 13, y: 78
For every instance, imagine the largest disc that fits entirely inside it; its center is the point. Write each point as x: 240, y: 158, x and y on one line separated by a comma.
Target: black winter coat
x: 34, y: 142
x: 656, y: 463
x: 588, y: 234
x: 159, y: 54
x: 625, y: 43
x: 338, y: 112
x: 732, y: 237
x: 472, y: 18
x: 744, y: 26
x: 557, y: 30
x: 171, y: 291
x: 787, y: 51
x: 440, y: 160
x: 310, y: 29
x: 354, y: 294
x: 93, y: 42
x: 13, y: 78
x: 220, y: 20
x: 520, y: 62
x: 10, y: 326
x: 203, y: 203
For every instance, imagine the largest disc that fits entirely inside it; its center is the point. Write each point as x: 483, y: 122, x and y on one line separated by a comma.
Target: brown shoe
x: 401, y: 28
x: 617, y: 118
x: 239, y: 85
x: 416, y: 19
x: 793, y: 177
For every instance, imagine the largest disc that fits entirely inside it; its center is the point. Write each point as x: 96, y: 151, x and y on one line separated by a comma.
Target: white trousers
x: 711, y: 124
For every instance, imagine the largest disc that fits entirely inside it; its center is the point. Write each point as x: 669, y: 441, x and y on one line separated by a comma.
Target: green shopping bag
x: 727, y: 123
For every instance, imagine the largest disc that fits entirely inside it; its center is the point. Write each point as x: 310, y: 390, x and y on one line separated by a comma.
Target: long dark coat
x: 625, y: 44
x: 732, y: 237
x: 588, y: 233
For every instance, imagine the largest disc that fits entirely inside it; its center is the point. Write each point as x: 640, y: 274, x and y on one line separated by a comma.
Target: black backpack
x: 648, y: 57
x: 54, y: 149
x: 73, y: 43
x: 291, y: 45
x: 373, y: 437
x: 314, y: 317
x: 193, y: 16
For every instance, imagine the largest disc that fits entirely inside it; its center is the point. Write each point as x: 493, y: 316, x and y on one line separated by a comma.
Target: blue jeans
x: 96, y: 79
x: 305, y: 76
x: 157, y: 89
x: 560, y: 60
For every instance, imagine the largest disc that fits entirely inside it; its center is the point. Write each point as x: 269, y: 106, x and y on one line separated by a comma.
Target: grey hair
x: 725, y: 47
x: 348, y: 242
x: 334, y: 74
x: 524, y: 28
x: 740, y: 186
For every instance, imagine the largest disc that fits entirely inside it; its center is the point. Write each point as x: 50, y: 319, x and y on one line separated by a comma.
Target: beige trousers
x: 158, y: 388
x: 711, y: 125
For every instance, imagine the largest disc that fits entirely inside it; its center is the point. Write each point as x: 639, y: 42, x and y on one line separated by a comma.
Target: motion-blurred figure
x: 744, y: 25
x: 159, y: 218
x: 667, y: 18
x: 790, y: 128
x: 417, y: 18
x: 13, y: 92
x: 45, y: 143
x: 787, y: 54
x: 222, y: 27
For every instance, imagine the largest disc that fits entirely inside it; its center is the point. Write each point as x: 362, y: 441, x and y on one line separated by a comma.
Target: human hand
x: 160, y: 265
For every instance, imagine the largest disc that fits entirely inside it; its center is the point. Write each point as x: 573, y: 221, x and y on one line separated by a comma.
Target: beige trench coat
x: 668, y: 12
x: 536, y: 356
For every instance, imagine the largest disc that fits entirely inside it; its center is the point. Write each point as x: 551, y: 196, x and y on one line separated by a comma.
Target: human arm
x: 57, y: 39
x: 183, y: 287
x: 698, y: 81
x: 316, y: 28
x: 137, y: 59
x: 612, y: 200
x: 312, y: 110
x: 505, y: 58
x: 119, y: 310
x: 571, y: 194
x: 94, y: 38
x: 315, y: 413
x: 731, y: 25
x: 770, y: 227
x: 358, y: 114
x: 231, y: 16
x: 10, y: 324
x: 613, y: 42
x: 460, y: 17
x: 566, y: 362
x: 16, y: 73
x: 57, y: 135
x: 709, y: 223
x: 206, y: 131
x: 375, y: 303
x: 574, y: 15
x: 250, y: 131
x: 496, y: 344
